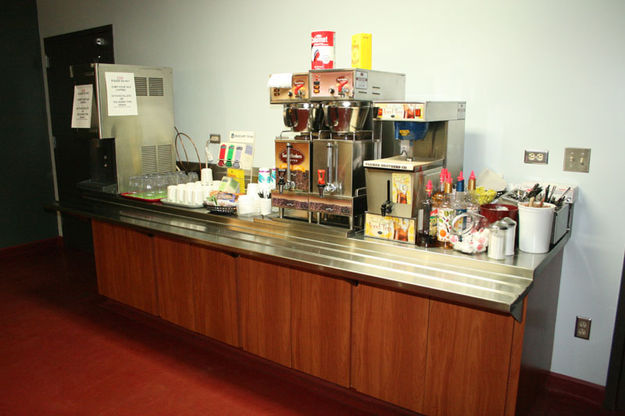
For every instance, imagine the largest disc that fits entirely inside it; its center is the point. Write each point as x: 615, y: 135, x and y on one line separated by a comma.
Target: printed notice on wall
x: 120, y: 94
x: 81, y: 112
x: 241, y: 136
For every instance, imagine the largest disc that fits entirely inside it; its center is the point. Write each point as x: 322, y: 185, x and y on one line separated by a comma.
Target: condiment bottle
x: 471, y: 184
x: 437, y: 201
x: 510, y: 235
x: 424, y: 236
x: 446, y: 214
x: 497, y: 240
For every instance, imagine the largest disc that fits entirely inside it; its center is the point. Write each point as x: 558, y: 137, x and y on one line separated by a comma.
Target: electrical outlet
x: 215, y: 138
x: 576, y: 160
x: 538, y: 157
x: 582, y: 327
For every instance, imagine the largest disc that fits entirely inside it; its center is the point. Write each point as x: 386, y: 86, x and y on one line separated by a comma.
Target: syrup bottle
x: 446, y: 213
x: 425, y: 237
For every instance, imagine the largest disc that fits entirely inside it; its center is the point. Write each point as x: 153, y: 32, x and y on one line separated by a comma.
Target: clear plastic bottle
x: 445, y: 215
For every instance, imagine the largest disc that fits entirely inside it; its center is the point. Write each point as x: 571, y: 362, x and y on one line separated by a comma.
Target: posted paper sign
x: 241, y: 136
x: 120, y: 94
x: 81, y: 112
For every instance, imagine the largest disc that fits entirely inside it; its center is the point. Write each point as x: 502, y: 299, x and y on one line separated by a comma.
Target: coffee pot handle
x: 287, y: 115
x: 330, y: 115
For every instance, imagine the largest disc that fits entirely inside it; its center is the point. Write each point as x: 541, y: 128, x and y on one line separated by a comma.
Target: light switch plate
x: 576, y: 160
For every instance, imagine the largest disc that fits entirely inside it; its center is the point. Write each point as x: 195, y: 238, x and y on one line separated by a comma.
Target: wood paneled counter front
x: 429, y: 356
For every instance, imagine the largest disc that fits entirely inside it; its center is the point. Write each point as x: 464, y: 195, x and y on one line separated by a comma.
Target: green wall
x: 25, y: 168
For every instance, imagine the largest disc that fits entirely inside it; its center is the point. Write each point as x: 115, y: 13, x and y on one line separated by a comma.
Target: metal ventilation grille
x: 156, y: 86
x: 141, y: 86
x: 148, y: 159
x: 165, y: 160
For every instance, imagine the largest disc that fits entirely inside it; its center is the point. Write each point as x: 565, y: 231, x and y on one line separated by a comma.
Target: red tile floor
x: 64, y: 350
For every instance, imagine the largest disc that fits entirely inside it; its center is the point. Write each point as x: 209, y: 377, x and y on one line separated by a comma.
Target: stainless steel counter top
x: 445, y: 274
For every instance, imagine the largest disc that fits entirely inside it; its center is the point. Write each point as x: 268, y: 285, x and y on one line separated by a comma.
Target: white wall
x: 535, y: 75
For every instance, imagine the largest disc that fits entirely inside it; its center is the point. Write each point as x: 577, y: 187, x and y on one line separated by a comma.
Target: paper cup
x: 180, y: 193
x: 171, y: 193
x: 206, y: 176
x: 265, y: 206
x: 535, y: 228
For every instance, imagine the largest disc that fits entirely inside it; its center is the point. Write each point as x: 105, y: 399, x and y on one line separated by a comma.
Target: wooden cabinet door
x: 175, y: 277
x: 265, y: 308
x: 389, y: 336
x: 468, y: 361
x: 125, y: 265
x: 320, y: 325
x: 215, y: 292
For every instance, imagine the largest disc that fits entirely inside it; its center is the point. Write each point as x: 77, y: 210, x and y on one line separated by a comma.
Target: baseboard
x: 32, y: 247
x: 534, y: 382
x: 576, y: 389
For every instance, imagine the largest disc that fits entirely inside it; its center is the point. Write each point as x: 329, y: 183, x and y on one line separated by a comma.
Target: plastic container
x: 535, y: 225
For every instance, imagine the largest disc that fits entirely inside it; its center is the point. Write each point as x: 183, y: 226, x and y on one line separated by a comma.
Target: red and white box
x: 322, y: 48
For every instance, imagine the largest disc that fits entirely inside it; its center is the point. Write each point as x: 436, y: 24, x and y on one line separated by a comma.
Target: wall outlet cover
x: 582, y: 327
x: 537, y: 157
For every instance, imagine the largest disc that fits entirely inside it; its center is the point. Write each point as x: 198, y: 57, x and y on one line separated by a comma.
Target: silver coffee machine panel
x: 144, y: 143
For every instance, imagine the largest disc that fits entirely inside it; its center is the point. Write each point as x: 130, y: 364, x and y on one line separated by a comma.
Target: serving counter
x: 431, y: 330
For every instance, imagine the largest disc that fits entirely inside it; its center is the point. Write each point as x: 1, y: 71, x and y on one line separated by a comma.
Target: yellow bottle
x: 361, y: 50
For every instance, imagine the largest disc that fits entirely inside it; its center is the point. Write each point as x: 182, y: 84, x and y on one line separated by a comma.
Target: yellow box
x: 361, y: 50
x: 239, y: 176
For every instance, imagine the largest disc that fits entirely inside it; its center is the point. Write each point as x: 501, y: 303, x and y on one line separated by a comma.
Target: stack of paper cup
x: 207, y: 176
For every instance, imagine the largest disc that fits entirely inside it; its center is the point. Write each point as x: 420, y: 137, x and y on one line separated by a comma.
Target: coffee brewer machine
x: 293, y: 148
x: 423, y: 138
x: 346, y: 97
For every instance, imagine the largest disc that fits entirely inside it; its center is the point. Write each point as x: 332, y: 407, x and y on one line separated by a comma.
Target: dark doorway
x: 25, y: 165
x: 615, y: 386
x: 71, y: 152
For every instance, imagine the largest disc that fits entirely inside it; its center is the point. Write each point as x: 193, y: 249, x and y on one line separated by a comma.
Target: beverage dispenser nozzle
x: 281, y: 181
x: 387, y: 206
x: 321, y: 181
